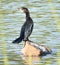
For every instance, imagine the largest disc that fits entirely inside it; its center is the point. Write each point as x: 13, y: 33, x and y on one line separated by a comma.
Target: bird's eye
x: 21, y: 10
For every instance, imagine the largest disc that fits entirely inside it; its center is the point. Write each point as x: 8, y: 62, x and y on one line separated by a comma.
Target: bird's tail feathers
x: 18, y: 40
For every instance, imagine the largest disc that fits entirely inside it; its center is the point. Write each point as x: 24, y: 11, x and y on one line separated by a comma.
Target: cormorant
x: 27, y: 27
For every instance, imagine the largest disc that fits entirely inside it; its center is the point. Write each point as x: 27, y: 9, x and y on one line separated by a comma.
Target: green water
x: 46, y: 30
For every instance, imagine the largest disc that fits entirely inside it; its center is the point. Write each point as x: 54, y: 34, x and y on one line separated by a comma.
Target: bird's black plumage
x: 27, y: 27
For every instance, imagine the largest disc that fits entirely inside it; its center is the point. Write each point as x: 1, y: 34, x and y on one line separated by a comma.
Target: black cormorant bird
x: 27, y: 27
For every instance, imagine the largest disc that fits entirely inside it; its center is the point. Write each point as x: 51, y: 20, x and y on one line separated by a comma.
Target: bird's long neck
x: 27, y: 15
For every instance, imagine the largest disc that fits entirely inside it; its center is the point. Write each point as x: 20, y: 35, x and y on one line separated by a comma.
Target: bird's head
x: 24, y: 9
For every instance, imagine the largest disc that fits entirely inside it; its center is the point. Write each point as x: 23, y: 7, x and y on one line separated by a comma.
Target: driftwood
x: 32, y: 49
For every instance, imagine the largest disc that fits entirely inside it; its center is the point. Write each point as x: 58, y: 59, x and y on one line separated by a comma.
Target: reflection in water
x: 44, y: 60
x: 31, y: 60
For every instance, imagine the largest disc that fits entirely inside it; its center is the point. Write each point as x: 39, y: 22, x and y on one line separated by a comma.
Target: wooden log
x: 32, y: 49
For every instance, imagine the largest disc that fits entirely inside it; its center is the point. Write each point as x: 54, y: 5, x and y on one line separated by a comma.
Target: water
x: 46, y: 31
